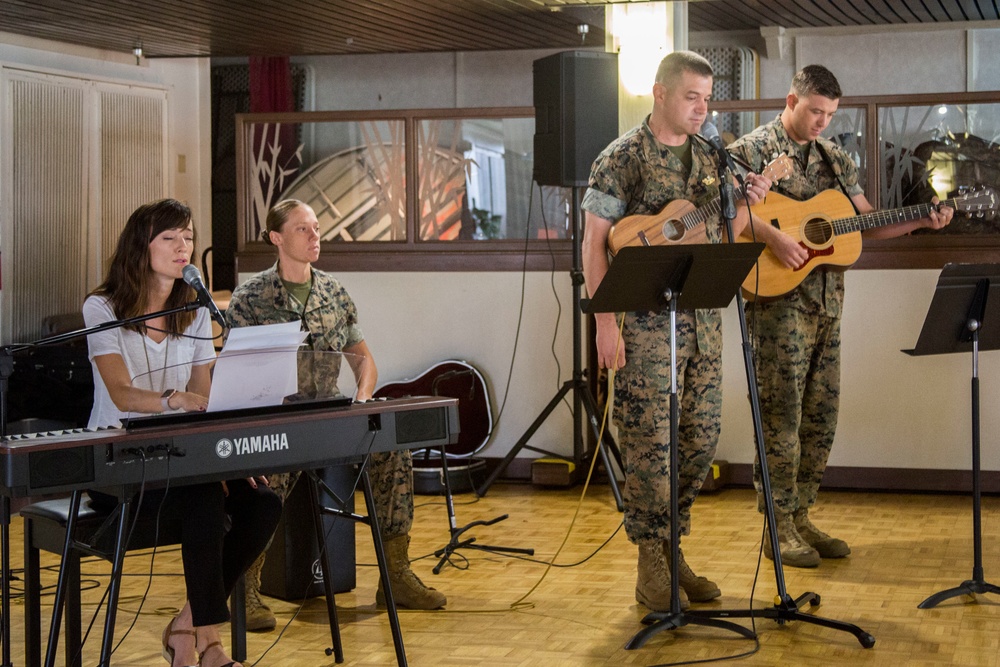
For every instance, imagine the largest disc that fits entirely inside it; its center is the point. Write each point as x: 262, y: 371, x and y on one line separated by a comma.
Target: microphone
x: 727, y: 198
x: 711, y: 135
x: 192, y: 276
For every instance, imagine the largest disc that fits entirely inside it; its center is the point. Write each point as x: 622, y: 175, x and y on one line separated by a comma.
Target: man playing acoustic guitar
x: 798, y: 334
x: 657, y: 163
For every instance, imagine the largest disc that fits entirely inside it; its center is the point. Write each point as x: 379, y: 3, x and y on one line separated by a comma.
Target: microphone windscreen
x: 192, y: 276
x: 710, y: 132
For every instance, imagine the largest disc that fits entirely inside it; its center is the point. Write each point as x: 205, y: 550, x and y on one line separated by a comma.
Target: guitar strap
x: 836, y: 174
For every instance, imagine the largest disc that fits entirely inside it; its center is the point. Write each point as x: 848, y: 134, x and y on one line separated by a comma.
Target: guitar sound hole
x: 673, y: 230
x: 817, y: 232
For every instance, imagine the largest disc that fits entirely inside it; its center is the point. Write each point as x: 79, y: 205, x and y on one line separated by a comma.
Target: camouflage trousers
x: 391, y: 476
x: 642, y: 394
x: 798, y: 373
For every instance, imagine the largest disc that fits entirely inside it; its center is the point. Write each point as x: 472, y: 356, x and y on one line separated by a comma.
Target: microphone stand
x: 785, y: 608
x: 6, y: 370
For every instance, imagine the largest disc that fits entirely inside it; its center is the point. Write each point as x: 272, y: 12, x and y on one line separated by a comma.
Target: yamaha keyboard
x: 201, y: 447
x: 239, y: 444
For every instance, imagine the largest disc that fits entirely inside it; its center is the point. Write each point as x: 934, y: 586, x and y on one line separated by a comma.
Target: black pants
x: 220, y: 535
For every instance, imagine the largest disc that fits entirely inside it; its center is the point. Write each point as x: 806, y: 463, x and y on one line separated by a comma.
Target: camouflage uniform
x: 638, y: 175
x: 798, y: 335
x: 331, y: 318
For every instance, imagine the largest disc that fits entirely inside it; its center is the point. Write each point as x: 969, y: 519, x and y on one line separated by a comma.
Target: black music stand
x: 657, y: 279
x: 955, y: 323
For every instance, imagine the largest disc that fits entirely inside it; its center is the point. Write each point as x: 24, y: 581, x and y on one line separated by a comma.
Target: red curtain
x: 270, y: 84
x: 270, y: 92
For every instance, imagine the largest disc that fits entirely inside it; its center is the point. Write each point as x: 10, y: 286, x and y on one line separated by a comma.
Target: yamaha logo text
x: 256, y: 444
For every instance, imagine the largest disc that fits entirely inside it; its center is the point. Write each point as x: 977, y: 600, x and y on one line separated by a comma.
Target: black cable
x: 520, y: 312
x: 555, y: 293
x: 152, y: 556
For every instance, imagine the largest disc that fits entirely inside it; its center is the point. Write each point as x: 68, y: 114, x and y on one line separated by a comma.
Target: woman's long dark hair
x: 126, y: 285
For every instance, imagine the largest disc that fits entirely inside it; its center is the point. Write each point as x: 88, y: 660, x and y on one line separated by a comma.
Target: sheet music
x: 257, y: 367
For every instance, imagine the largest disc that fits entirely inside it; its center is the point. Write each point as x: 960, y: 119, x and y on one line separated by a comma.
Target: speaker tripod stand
x: 583, y: 400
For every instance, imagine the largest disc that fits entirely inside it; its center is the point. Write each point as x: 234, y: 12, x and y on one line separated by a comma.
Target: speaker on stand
x: 576, y: 114
x: 576, y: 117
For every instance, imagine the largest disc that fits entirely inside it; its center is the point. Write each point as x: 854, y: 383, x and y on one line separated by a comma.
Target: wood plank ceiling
x: 176, y: 28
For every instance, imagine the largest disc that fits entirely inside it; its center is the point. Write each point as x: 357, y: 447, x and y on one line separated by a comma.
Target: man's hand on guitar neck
x: 755, y: 189
x: 757, y: 186
x: 937, y: 218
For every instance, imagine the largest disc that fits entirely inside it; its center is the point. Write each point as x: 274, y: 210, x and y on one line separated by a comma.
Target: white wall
x: 414, y: 320
x: 896, y: 411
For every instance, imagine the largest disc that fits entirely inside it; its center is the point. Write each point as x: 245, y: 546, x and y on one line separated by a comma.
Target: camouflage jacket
x: 823, y: 290
x: 329, y: 314
x: 637, y: 175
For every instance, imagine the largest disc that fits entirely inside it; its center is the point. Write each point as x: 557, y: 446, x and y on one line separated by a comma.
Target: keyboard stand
x: 320, y: 509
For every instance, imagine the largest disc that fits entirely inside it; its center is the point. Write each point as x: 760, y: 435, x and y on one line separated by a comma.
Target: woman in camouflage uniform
x: 293, y: 290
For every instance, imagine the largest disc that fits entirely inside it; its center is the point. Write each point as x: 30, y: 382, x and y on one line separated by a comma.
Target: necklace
x: 149, y: 368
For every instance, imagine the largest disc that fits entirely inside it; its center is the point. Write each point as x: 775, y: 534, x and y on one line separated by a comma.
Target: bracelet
x: 165, y: 399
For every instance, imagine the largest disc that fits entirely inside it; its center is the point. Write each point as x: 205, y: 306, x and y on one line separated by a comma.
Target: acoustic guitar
x: 679, y: 222
x: 454, y: 379
x: 827, y: 227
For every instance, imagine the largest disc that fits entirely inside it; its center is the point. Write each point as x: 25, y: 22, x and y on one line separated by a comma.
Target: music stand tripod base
x: 956, y: 322
x: 666, y: 278
x: 456, y: 542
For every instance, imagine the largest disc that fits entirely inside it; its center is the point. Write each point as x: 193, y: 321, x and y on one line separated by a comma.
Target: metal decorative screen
x: 736, y: 78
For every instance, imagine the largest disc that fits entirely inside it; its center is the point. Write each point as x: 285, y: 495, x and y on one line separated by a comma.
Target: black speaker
x: 576, y: 114
x: 292, y: 569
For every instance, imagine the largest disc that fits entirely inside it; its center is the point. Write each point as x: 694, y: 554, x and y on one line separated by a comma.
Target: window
x: 474, y: 205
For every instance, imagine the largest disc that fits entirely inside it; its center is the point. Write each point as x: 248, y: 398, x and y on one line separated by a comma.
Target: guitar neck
x: 701, y: 214
x: 882, y: 218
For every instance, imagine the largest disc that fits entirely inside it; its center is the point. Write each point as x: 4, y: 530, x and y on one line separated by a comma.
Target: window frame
x: 909, y: 252
x: 931, y: 251
x: 412, y: 254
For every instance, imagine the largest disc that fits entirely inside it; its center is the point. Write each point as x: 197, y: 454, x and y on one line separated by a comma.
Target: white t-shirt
x: 169, y: 361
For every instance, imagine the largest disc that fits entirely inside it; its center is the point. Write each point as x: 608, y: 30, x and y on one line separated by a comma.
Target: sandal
x: 201, y: 655
x: 168, y: 650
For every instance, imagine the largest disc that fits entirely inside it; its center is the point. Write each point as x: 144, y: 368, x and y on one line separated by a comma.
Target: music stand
x: 955, y: 323
x: 657, y: 279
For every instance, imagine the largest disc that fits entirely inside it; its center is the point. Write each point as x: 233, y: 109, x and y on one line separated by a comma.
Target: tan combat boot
x: 794, y: 550
x: 260, y: 618
x: 407, y: 589
x: 652, y: 585
x: 698, y: 589
x: 826, y: 546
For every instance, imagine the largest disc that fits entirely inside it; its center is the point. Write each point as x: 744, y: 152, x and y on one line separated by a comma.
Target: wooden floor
x: 905, y: 547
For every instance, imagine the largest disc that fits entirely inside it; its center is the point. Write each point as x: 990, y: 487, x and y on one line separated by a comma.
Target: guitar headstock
x: 977, y: 202
x: 779, y: 168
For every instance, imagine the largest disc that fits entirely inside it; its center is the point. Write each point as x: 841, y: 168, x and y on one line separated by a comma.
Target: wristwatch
x: 165, y: 399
